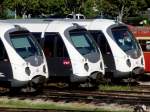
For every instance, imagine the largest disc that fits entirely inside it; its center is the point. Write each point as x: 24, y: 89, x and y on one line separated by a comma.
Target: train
x: 22, y: 61
x: 122, y: 54
x: 71, y: 53
x: 84, y: 51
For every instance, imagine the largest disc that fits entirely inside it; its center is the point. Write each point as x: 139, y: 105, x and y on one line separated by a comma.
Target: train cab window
x: 3, y: 54
x: 54, y: 46
x: 101, y: 41
x: 145, y: 45
x: 24, y: 44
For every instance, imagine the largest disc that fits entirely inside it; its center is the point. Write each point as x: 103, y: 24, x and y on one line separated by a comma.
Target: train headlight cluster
x: 128, y: 62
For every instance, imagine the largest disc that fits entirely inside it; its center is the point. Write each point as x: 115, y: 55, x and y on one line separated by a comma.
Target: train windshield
x: 24, y: 45
x: 124, y: 38
x: 83, y: 42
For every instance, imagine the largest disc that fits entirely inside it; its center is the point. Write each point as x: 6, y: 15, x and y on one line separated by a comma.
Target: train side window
x: 3, y: 54
x: 49, y: 44
x: 54, y: 45
x: 61, y: 48
x: 143, y: 44
x: 100, y: 39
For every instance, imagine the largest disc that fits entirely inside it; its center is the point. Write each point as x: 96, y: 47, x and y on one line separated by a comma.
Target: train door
x: 57, y: 56
x: 145, y: 44
x: 105, y: 49
x: 5, y: 65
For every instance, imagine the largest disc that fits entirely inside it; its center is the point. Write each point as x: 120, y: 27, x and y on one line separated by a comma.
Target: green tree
x: 56, y: 7
x: 121, y: 8
x: 147, y: 2
x: 76, y: 6
x: 1, y: 8
x: 90, y: 10
x: 36, y: 7
x: 104, y: 6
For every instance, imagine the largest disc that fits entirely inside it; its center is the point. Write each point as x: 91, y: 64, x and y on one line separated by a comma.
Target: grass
x: 114, y: 87
x: 39, y: 104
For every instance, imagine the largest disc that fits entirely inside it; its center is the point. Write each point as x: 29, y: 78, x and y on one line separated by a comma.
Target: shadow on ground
x: 145, y: 77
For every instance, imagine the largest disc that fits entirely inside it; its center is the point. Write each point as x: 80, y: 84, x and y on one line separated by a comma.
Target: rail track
x: 120, y: 97
x: 2, y: 109
x: 95, y: 97
x: 138, y: 96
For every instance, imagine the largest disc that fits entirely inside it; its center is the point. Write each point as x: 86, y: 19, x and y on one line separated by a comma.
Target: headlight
x: 101, y: 65
x: 142, y: 61
x: 27, y: 70
x: 44, y: 69
x: 86, y: 67
x: 128, y: 62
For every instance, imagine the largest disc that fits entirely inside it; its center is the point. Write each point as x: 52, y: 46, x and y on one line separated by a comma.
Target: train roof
x: 35, y: 21
x: 38, y: 25
x: 4, y: 27
x: 101, y: 24
x: 60, y: 26
x: 55, y: 25
x: 94, y: 24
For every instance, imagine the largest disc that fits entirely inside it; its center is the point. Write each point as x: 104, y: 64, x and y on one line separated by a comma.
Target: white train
x: 72, y: 56
x: 22, y: 61
x: 122, y: 54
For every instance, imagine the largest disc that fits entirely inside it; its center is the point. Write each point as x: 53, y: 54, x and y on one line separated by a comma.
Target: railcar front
x: 22, y: 59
